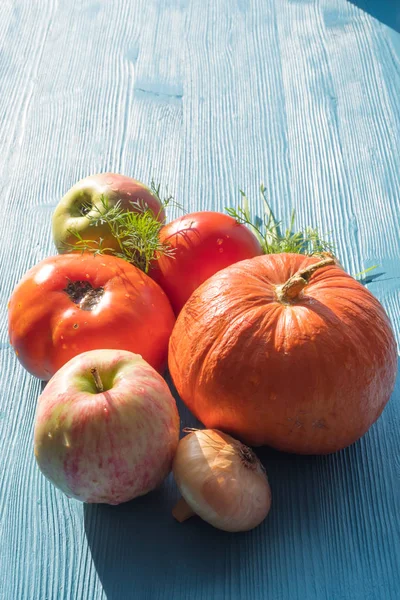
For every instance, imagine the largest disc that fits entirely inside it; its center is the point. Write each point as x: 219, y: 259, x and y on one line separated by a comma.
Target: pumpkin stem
x: 292, y: 288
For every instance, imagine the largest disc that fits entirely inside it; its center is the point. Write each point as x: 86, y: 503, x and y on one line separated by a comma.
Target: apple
x: 106, y: 427
x: 85, y: 199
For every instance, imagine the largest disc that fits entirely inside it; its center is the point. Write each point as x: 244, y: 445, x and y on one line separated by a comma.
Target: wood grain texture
x: 205, y: 97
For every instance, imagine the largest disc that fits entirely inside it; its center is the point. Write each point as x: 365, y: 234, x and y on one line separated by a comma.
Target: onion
x: 221, y: 480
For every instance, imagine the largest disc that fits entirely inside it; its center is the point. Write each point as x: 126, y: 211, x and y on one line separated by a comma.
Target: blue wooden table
x: 204, y: 96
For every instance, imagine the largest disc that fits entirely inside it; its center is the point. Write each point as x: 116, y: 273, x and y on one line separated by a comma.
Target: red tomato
x: 71, y: 303
x: 204, y: 243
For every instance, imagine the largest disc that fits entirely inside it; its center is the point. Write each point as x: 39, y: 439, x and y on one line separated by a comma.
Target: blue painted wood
x: 205, y: 97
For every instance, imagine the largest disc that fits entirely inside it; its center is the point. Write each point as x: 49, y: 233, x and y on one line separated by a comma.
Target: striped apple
x: 107, y: 427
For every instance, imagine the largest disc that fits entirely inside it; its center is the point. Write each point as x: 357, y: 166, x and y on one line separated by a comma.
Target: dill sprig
x: 166, y: 201
x: 136, y: 232
x: 273, y: 238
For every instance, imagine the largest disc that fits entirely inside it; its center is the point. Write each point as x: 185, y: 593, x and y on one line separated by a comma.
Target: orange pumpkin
x: 285, y: 350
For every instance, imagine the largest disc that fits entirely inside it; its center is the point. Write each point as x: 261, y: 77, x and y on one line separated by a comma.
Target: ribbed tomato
x: 277, y: 354
x: 71, y: 303
x: 203, y: 243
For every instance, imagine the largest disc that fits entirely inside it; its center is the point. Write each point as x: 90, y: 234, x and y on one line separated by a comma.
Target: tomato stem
x: 97, y: 380
x: 294, y: 285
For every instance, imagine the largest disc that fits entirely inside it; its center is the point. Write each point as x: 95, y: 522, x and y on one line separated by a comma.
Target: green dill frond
x: 168, y: 200
x: 273, y: 238
x: 361, y: 275
x: 136, y: 233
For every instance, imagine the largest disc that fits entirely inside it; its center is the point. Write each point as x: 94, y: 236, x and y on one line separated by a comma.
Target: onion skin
x: 222, y: 481
x: 309, y: 375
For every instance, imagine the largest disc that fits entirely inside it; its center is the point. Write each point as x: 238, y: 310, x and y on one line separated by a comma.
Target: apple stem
x: 97, y: 380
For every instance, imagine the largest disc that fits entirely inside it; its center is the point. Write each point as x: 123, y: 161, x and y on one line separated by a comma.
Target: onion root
x: 182, y: 511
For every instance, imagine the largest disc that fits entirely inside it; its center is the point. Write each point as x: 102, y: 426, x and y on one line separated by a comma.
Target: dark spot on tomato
x: 84, y: 294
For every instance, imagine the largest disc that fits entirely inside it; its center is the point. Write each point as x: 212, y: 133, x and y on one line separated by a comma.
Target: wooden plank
x: 205, y: 97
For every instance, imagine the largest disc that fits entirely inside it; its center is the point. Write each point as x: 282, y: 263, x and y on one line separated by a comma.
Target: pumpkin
x: 285, y: 350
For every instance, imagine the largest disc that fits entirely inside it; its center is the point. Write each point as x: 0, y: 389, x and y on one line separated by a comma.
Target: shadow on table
x: 140, y: 551
x: 385, y: 11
